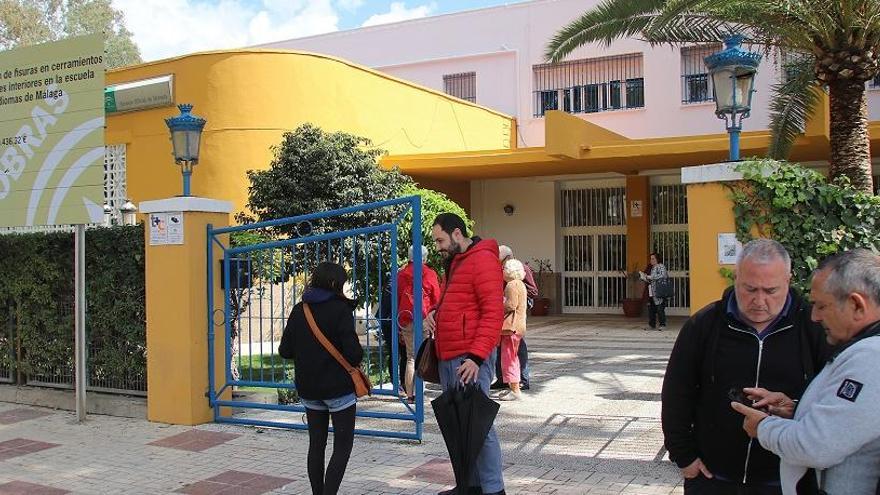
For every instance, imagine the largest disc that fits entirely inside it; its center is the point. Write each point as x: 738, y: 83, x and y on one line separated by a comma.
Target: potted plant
x: 542, y: 303
x: 634, y: 303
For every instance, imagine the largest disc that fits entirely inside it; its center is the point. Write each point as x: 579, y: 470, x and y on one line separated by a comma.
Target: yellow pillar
x: 710, y: 212
x: 638, y: 228
x: 177, y: 307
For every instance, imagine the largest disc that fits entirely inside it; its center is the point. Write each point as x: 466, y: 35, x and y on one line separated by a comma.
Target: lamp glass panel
x: 178, y: 140
x: 192, y: 142
x: 744, y: 90
x: 723, y: 81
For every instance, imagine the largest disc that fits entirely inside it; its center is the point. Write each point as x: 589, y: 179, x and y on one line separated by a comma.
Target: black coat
x: 714, y: 353
x: 316, y: 373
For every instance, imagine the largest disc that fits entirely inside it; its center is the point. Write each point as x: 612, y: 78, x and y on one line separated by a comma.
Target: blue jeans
x: 487, y: 474
x: 335, y: 404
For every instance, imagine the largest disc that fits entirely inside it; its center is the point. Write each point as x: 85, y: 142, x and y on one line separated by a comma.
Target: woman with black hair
x: 324, y: 386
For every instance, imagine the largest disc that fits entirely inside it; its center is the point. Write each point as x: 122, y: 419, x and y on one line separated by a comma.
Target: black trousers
x: 326, y: 482
x: 656, y: 312
x: 401, y: 355
x: 704, y: 486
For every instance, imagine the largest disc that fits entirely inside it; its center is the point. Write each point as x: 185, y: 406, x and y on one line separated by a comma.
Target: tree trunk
x: 850, y: 147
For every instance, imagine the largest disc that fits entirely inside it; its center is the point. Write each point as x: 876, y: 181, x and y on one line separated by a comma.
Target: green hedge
x: 809, y: 215
x: 36, y: 305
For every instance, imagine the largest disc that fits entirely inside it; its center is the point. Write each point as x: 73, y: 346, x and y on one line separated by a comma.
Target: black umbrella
x: 464, y: 415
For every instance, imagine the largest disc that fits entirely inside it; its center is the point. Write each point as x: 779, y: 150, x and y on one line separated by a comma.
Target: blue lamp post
x: 186, y: 133
x: 733, y: 77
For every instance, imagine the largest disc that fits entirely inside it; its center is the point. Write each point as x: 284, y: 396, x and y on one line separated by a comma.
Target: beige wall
x: 531, y: 230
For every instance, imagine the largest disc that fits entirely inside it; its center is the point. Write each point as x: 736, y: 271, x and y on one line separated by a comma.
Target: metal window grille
x: 593, y: 248
x: 670, y: 239
x: 877, y: 184
x: 874, y: 83
x: 463, y: 85
x: 789, y: 63
x: 696, y: 85
x: 598, y: 207
x: 590, y: 85
x: 114, y: 193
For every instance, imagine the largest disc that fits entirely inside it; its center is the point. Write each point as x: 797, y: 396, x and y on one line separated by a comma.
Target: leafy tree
x: 836, y: 45
x: 29, y: 22
x: 433, y: 204
x: 314, y: 171
x: 806, y: 213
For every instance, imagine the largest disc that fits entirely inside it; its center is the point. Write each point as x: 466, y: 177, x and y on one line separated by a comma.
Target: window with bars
x: 696, y: 84
x: 877, y: 185
x: 789, y: 64
x: 590, y: 85
x: 594, y: 207
x: 462, y: 85
x: 874, y: 83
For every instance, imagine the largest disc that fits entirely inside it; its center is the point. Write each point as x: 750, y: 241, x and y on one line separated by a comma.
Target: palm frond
x: 793, y: 102
x: 608, y: 21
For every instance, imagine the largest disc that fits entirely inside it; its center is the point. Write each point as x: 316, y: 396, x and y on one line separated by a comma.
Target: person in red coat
x: 466, y: 324
x: 405, y: 306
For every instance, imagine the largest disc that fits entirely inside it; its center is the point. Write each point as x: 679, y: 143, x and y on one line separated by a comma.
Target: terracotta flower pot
x: 633, y: 307
x: 541, y: 306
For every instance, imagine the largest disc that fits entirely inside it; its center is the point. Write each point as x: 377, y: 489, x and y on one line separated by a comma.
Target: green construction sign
x: 52, y: 133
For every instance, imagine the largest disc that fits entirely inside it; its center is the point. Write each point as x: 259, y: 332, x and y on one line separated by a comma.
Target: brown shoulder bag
x: 362, y: 385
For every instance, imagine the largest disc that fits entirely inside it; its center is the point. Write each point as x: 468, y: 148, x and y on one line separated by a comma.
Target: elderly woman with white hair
x: 514, y: 326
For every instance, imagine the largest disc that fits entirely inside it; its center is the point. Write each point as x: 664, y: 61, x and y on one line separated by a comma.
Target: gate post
x: 177, y: 308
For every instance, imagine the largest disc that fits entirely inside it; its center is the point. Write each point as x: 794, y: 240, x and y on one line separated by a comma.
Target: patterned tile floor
x: 590, y: 424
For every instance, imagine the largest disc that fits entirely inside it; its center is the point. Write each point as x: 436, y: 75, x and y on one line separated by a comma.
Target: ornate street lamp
x: 186, y: 133
x: 733, y: 77
x: 129, y: 213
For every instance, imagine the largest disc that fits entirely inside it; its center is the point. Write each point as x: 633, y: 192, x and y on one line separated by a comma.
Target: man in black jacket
x: 758, y: 335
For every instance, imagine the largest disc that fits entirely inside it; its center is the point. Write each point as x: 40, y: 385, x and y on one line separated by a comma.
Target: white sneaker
x: 661, y: 328
x: 509, y: 395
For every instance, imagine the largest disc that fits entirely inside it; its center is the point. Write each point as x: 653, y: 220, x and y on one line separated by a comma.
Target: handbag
x: 427, y: 366
x: 663, y: 288
x: 362, y: 385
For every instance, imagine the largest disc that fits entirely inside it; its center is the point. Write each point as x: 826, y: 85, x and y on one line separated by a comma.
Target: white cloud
x: 350, y: 5
x: 399, y: 12
x: 166, y: 28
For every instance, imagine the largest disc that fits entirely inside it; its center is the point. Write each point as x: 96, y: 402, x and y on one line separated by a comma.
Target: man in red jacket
x: 467, y: 327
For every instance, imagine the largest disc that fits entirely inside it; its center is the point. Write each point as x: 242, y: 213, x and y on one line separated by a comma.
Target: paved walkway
x: 590, y: 424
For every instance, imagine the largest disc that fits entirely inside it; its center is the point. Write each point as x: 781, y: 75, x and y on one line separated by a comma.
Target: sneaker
x: 662, y: 327
x: 510, y: 395
x: 498, y: 385
x: 650, y: 328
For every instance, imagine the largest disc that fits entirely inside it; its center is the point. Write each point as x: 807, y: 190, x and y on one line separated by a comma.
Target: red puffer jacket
x: 471, y: 309
x: 406, y: 302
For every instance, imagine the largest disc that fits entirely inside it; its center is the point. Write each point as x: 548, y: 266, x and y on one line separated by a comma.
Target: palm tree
x: 836, y: 43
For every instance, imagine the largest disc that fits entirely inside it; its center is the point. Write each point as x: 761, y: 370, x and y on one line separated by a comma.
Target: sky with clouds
x: 166, y: 28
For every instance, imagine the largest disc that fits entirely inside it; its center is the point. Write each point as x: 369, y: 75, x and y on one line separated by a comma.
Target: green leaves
x: 36, y: 293
x: 799, y: 208
x: 29, y: 22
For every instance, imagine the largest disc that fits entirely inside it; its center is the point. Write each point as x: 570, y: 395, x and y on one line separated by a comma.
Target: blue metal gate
x: 263, y: 273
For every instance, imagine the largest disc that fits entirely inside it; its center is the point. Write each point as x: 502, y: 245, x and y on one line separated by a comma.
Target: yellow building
x: 251, y: 97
